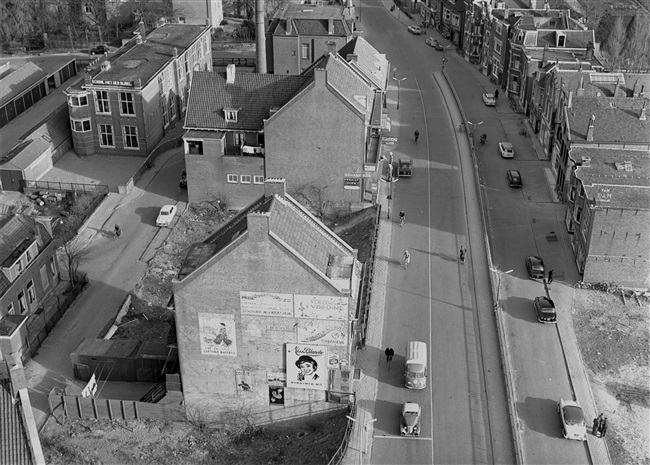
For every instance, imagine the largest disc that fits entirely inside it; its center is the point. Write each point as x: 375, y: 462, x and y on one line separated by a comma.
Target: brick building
x: 270, y: 294
x: 198, y: 11
x: 126, y: 104
x: 29, y: 272
x: 609, y: 213
x: 299, y: 34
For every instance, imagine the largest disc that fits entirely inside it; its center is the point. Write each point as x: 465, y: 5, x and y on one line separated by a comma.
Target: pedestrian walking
x: 118, y: 231
x: 407, y: 259
x: 550, y: 276
x: 496, y: 94
x: 461, y: 254
x: 595, y: 429
x: 417, y: 135
x: 603, y: 428
x: 389, y: 356
x: 402, y: 216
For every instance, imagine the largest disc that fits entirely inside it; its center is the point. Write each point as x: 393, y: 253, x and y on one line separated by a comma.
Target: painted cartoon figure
x: 222, y: 337
x: 308, y: 367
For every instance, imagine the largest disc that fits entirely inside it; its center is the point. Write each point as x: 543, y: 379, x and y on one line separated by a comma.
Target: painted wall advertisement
x: 306, y: 366
x: 266, y: 304
x: 331, y: 333
x: 293, y: 305
x: 321, y: 307
x: 217, y: 333
x: 243, y: 379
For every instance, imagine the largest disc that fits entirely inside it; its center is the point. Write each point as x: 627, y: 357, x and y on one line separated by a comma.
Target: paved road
x: 113, y: 268
x: 435, y: 300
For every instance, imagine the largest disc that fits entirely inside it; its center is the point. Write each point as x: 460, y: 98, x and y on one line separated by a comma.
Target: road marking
x: 417, y: 438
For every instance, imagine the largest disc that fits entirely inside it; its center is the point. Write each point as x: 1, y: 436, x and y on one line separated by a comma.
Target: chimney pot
x: 230, y: 74
x: 642, y: 116
x: 570, y: 100
x: 330, y: 26
x: 590, y: 129
x: 142, y: 30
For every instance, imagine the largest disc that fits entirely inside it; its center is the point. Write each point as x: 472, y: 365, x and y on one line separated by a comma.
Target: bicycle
x: 118, y: 231
x: 407, y: 259
x: 417, y: 136
x: 461, y: 127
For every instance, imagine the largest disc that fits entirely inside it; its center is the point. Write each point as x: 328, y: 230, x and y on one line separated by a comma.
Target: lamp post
x: 399, y: 81
x: 499, y: 273
x: 473, y: 127
x: 364, y: 438
x: 444, y: 58
x: 390, y: 181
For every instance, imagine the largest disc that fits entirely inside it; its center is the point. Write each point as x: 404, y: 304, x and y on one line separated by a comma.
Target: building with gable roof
x: 609, y: 213
x: 368, y: 62
x: 29, y: 272
x: 299, y: 34
x: 247, y: 127
x: 260, y: 304
x: 126, y: 104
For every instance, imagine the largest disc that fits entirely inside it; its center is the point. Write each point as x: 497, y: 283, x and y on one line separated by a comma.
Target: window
x: 517, y: 63
x: 164, y: 113
x: 20, y: 266
x: 78, y: 101
x: 31, y: 293
x: 245, y: 179
x: 578, y: 215
x: 172, y: 106
x: 232, y: 178
x: 28, y: 255
x: 101, y: 102
x: 53, y: 269
x: 88, y: 8
x: 130, y: 137
x: 497, y: 45
x: 581, y: 192
x: 446, y: 14
x: 304, y: 51
x: 22, y: 302
x: 10, y: 308
x: 455, y: 20
x: 498, y: 28
x: 572, y: 194
x: 82, y: 125
x: 561, y: 40
x: 44, y: 279
x: 106, y: 135
x: 195, y: 147
x: 126, y: 103
x: 258, y: 179
x: 238, y: 138
x: 230, y: 115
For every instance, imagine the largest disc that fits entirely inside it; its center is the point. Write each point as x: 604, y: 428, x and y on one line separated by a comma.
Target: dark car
x: 514, y: 178
x: 405, y: 167
x: 183, y: 182
x: 535, y: 267
x: 545, y: 309
x: 99, y: 50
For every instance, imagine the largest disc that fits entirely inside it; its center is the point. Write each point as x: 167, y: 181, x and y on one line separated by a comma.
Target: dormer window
x: 230, y: 114
x: 561, y: 39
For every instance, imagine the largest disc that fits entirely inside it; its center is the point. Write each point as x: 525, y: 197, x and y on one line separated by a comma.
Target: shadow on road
x: 520, y: 308
x: 540, y: 415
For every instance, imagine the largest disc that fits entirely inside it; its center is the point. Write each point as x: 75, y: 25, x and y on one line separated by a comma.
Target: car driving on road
x: 415, y: 30
x: 573, y: 420
x: 99, y: 50
x: 410, y: 419
x: 506, y: 150
x: 166, y: 215
x: 514, y: 178
x: 535, y: 267
x: 545, y: 310
x: 405, y: 167
x: 489, y: 100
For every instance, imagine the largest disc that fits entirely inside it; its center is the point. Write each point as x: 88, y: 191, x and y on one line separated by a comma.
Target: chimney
x: 636, y: 85
x: 642, y: 116
x: 352, y: 57
x: 230, y: 73
x: 260, y: 37
x: 544, y: 55
x: 589, y: 54
x: 585, y: 161
x: 175, y: 53
x: 581, y: 87
x: 258, y: 226
x: 142, y: 31
x: 590, y: 129
x: 618, y: 84
x: 275, y: 186
x: 331, y: 46
x: 330, y: 26
x: 570, y: 100
x: 106, y: 65
x: 641, y: 93
x: 289, y: 28
x: 320, y: 77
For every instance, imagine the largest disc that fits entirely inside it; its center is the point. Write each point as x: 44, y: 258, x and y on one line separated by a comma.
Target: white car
x: 410, y: 419
x: 166, y: 215
x: 489, y: 100
x: 415, y: 30
x: 573, y: 420
x: 506, y: 150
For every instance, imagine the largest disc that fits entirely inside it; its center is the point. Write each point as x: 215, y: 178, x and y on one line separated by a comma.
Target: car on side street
x: 545, y: 310
x: 415, y: 30
x: 506, y: 150
x: 573, y: 420
x: 435, y: 44
x: 166, y: 215
x: 489, y: 100
x: 99, y: 50
x: 535, y: 267
x: 514, y: 178
x: 410, y: 419
x: 405, y: 167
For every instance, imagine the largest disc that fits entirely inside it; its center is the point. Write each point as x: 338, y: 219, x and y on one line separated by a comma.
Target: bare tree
x: 314, y: 198
x: 593, y: 10
x: 638, y: 46
x: 74, y: 255
x: 616, y: 43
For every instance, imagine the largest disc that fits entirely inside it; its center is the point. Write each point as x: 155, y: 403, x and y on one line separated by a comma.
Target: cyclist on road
x: 417, y: 135
x: 407, y: 259
x: 402, y: 215
x: 389, y: 356
x: 118, y: 231
x: 461, y: 254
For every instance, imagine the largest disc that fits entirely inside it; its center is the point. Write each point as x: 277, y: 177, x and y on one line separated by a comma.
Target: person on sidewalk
x: 595, y: 429
x: 550, y: 276
x: 118, y: 231
x: 407, y: 259
x: 417, y: 136
x: 402, y: 216
x: 496, y: 94
x: 603, y: 428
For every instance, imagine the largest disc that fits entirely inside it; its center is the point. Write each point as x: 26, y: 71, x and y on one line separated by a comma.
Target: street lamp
x: 473, y: 128
x: 390, y: 181
x: 364, y: 444
x: 444, y: 59
x: 399, y: 81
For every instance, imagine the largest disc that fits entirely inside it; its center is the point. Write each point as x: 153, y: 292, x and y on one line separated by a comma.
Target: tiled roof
x: 370, y: 62
x: 574, y: 39
x: 14, y: 445
x: 19, y: 81
x: 346, y: 81
x: 616, y: 119
x: 595, y: 83
x: 614, y: 186
x: 253, y: 94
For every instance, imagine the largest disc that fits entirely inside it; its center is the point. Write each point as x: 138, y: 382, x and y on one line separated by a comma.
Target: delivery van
x: 415, y: 373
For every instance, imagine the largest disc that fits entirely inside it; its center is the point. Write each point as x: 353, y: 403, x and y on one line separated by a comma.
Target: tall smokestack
x: 260, y: 36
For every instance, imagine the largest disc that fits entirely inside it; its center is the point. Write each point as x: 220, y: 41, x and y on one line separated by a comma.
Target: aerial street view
x: 325, y: 232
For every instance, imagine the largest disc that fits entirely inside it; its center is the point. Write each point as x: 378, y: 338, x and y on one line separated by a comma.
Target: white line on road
x: 417, y: 438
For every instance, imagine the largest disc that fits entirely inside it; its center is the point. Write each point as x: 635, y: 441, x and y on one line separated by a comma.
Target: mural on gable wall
x: 320, y: 307
x: 266, y: 304
x: 326, y: 332
x: 217, y: 334
x: 293, y: 305
x: 307, y: 366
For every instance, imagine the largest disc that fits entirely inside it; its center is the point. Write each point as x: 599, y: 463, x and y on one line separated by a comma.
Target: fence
x: 340, y: 452
x: 236, y: 61
x: 366, y: 289
x: 30, y: 187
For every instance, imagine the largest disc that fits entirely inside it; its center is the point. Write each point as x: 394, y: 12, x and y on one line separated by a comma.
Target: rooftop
x: 615, y: 178
x: 597, y: 84
x: 372, y: 64
x: 311, y: 20
x: 616, y: 119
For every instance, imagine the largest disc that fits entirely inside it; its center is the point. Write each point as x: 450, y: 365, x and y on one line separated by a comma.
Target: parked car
x: 415, y: 30
x: 489, y: 100
x: 514, y: 178
x: 183, y: 182
x: 405, y: 167
x: 506, y: 150
x: 99, y: 50
x: 166, y: 215
x: 535, y: 267
x: 545, y: 309
x: 573, y: 420
x: 435, y: 44
x: 410, y: 419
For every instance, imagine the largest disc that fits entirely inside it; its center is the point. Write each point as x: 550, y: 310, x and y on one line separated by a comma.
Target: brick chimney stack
x: 590, y: 129
x: 260, y: 37
x: 642, y: 116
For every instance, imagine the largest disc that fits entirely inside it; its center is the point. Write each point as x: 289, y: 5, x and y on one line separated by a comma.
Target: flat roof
x: 300, y: 11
